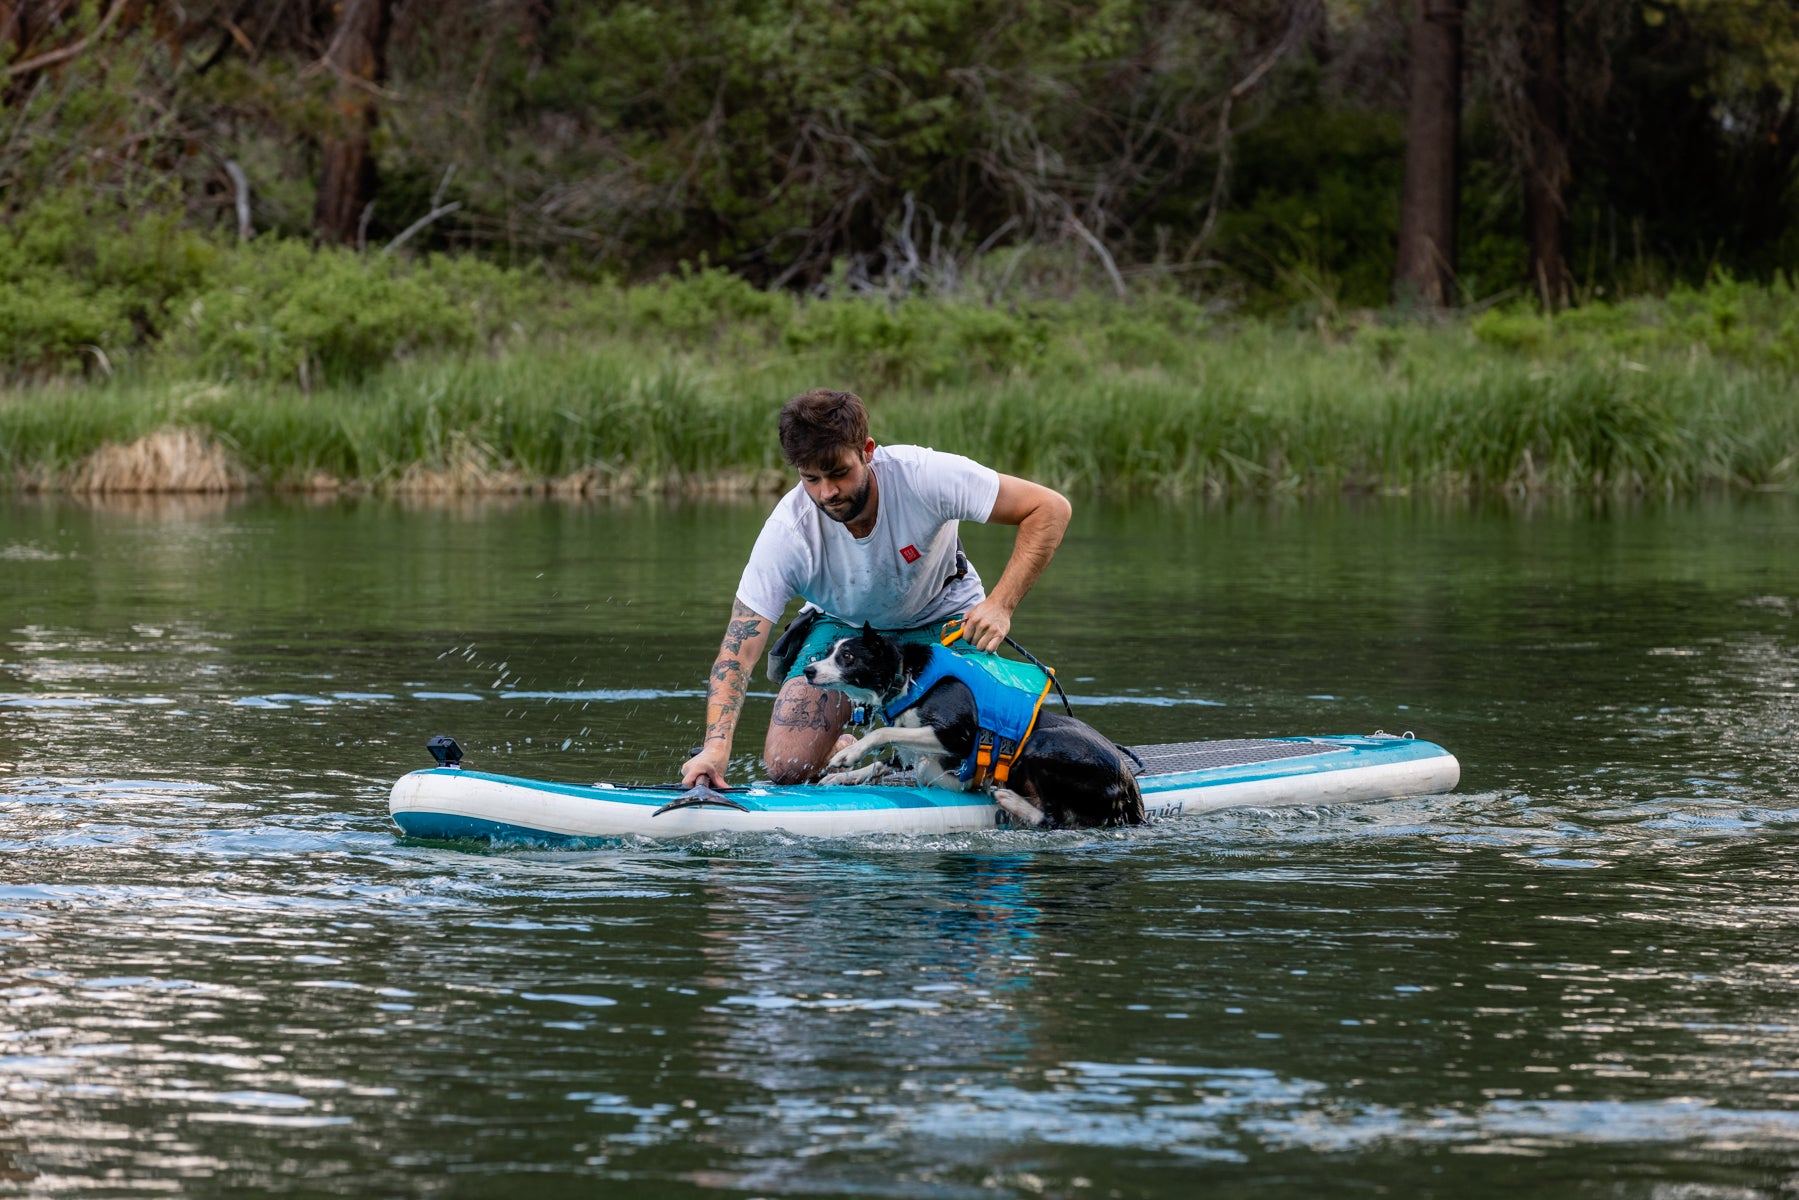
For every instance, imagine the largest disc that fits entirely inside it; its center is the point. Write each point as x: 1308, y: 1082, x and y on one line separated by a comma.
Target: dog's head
x: 865, y: 667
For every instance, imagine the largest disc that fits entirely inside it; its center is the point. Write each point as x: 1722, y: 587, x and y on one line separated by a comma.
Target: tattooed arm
x: 738, y: 654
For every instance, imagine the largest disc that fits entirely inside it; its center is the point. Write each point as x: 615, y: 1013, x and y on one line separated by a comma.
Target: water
x: 222, y: 974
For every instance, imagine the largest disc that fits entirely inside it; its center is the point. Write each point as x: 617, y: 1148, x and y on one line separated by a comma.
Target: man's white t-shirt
x: 894, y: 577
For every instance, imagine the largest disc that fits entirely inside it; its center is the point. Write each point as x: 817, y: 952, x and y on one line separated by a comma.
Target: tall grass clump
x: 1259, y: 411
x: 1285, y: 413
x: 297, y: 367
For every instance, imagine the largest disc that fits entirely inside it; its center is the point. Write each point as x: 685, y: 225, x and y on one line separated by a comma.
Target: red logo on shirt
x: 909, y: 553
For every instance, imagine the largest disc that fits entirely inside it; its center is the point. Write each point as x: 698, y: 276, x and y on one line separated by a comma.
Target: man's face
x: 841, y: 488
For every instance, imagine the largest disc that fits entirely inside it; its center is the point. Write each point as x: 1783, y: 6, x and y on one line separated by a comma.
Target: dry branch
x: 54, y: 57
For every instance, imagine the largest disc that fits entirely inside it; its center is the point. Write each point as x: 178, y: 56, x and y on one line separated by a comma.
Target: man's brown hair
x: 816, y: 426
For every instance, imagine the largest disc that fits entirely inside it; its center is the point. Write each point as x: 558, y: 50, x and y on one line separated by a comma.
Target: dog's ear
x: 868, y: 632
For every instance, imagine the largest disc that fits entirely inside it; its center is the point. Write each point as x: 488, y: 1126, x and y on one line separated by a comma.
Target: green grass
x: 1283, y: 414
x: 678, y: 385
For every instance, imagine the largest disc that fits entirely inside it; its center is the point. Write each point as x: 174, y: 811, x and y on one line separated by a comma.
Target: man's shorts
x: 826, y: 630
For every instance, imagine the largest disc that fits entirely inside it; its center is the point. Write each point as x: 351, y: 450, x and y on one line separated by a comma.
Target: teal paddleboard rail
x: 1180, y: 780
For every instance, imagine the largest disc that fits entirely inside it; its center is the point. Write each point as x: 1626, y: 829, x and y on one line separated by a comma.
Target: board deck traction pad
x: 1178, y: 758
x: 1173, y: 758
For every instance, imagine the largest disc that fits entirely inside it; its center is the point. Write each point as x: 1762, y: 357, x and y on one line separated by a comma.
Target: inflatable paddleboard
x: 1179, y: 780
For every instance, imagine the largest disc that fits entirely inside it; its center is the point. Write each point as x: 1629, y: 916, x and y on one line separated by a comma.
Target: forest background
x: 586, y: 247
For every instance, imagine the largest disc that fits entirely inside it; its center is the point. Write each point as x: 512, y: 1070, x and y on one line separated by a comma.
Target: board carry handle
x: 444, y: 749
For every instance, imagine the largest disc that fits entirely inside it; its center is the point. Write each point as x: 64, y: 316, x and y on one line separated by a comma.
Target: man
x: 869, y: 535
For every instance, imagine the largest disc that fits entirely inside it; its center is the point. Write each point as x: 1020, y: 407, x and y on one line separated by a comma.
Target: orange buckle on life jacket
x: 983, y: 758
x: 1002, y: 769
x: 993, y: 758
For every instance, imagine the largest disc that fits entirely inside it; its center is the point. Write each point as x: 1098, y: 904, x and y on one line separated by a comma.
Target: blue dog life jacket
x: 1007, y: 698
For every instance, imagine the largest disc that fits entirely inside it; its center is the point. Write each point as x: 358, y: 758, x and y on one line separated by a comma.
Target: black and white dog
x: 1067, y: 774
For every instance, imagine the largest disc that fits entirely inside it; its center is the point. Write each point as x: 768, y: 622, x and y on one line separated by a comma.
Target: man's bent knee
x: 786, y: 771
x: 787, y: 762
x: 802, y: 733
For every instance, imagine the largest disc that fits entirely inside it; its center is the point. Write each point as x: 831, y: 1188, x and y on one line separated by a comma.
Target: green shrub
x: 1152, y: 329
x: 700, y: 302
x: 864, y: 339
x: 47, y: 320
x: 1756, y: 325
x: 284, y: 310
x: 915, y: 340
x: 1519, y: 329
x: 78, y: 275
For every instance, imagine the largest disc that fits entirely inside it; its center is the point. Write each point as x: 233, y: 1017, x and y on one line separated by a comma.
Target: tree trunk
x: 1425, y: 267
x: 1547, y: 169
x: 358, y: 57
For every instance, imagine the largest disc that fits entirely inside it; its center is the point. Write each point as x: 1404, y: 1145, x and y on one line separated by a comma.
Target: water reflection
x: 159, y: 508
x: 222, y: 974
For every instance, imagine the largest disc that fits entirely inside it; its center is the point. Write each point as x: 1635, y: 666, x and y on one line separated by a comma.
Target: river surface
x: 223, y: 974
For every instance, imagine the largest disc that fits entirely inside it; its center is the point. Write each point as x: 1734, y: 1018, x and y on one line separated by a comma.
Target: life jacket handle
x: 952, y: 630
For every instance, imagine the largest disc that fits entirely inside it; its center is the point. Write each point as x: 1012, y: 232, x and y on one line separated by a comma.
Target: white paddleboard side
x: 451, y: 803
x: 1361, y: 785
x: 463, y: 803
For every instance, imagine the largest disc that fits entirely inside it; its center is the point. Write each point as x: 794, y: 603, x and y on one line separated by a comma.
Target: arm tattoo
x: 727, y: 697
x: 744, y: 625
x: 730, y: 671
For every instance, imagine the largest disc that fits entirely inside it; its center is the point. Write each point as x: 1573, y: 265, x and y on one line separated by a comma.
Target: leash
x: 1066, y: 707
x: 953, y: 630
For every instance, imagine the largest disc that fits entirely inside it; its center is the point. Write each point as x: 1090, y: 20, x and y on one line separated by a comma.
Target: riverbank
x: 674, y: 388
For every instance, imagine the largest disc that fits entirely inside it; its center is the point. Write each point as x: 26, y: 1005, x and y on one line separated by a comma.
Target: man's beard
x: 858, y: 502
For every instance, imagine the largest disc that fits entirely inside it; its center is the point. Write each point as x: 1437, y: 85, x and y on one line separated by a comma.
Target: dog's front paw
x: 844, y: 759
x: 844, y: 778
